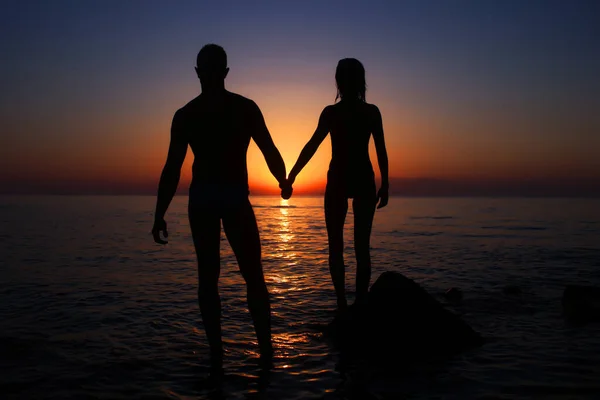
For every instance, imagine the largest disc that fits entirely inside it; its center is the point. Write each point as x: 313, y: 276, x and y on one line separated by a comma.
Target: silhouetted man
x: 218, y: 126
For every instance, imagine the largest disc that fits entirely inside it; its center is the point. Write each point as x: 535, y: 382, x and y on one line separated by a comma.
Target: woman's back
x: 351, y: 122
x: 350, y: 125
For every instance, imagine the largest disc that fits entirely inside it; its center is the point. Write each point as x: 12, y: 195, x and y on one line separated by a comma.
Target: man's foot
x: 213, y: 380
x: 216, y: 371
x: 266, y: 358
x: 216, y: 360
x: 216, y: 374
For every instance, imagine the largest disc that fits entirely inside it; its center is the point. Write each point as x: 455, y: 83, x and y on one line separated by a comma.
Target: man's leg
x: 206, y: 232
x: 241, y: 230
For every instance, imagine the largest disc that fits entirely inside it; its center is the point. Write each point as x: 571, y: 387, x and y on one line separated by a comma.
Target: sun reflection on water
x: 287, y: 344
x: 286, y: 237
x: 285, y: 245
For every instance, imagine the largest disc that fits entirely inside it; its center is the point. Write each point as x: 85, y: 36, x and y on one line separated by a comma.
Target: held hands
x: 286, y: 188
x: 160, y: 226
x: 382, y: 197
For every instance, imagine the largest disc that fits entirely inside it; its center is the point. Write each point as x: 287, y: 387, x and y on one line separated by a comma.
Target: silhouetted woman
x: 351, y: 122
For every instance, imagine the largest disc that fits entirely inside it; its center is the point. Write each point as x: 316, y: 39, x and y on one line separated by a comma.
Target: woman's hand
x: 382, y: 197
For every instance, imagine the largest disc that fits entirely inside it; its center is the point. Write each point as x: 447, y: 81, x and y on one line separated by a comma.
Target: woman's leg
x: 364, y: 211
x: 336, y: 207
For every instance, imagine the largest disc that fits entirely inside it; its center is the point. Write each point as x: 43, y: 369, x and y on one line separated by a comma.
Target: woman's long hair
x: 350, y: 80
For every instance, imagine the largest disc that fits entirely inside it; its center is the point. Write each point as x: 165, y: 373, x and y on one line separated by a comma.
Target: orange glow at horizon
x: 461, y: 99
x: 130, y: 149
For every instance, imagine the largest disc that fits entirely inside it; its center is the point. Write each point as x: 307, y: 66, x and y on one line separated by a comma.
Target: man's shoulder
x: 188, y: 107
x: 241, y: 101
x: 233, y: 101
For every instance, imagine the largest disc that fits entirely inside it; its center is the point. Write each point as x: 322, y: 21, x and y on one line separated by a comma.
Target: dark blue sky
x: 511, y: 84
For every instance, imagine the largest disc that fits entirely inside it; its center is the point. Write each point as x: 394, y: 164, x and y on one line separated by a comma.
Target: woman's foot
x: 358, y: 309
x: 361, y: 300
x: 342, y: 305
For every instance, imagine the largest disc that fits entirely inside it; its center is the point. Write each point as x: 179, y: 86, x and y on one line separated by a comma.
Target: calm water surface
x: 92, y: 308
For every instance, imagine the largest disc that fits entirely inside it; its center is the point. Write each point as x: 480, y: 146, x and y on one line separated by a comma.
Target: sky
x: 500, y: 95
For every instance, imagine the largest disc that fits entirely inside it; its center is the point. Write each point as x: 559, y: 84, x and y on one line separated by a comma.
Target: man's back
x: 218, y: 128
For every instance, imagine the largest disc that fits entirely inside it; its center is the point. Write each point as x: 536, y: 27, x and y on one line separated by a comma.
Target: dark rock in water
x: 581, y: 303
x: 402, y: 321
x: 454, y: 295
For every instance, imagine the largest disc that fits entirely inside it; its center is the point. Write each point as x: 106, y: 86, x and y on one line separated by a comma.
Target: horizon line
x: 472, y: 195
x: 582, y: 187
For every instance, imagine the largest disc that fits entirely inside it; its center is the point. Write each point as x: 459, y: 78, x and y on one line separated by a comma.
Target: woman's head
x: 350, y: 79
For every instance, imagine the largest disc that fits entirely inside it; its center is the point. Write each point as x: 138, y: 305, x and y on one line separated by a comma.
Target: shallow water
x: 92, y: 308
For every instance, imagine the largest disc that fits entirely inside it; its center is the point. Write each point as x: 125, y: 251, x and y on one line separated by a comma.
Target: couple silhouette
x: 218, y: 125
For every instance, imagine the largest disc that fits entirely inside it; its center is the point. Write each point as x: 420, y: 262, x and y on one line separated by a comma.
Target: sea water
x: 91, y: 307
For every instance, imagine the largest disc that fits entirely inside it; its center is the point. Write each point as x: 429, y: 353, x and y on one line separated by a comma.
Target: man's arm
x: 382, y: 158
x: 311, y: 147
x: 169, y: 179
x: 262, y: 138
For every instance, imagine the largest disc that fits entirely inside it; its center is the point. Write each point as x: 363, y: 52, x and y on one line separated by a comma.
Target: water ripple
x: 105, y: 313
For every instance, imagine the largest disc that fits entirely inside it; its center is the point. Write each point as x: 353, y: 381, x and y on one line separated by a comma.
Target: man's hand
x: 160, y: 226
x: 382, y: 197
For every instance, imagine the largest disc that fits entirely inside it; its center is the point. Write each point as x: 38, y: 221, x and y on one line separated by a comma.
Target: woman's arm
x: 311, y: 147
x: 382, y: 158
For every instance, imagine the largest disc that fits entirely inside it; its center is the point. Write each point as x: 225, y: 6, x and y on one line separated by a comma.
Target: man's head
x: 211, y: 64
